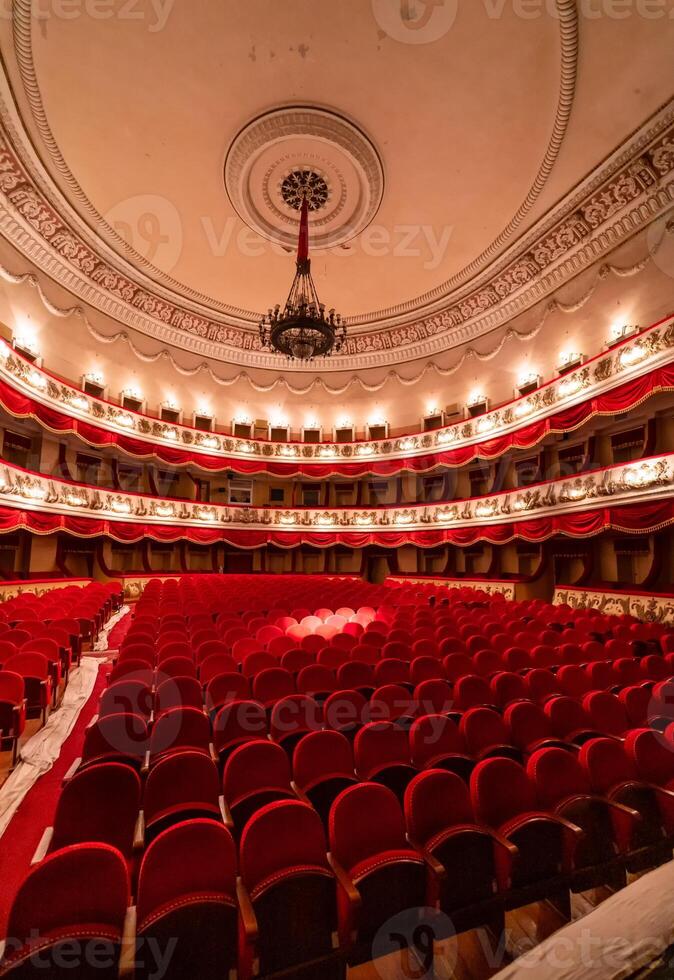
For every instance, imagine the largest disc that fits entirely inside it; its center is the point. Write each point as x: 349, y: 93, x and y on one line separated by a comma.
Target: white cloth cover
x: 622, y: 935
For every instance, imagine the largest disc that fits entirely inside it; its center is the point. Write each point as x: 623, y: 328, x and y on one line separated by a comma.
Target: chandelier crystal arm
x: 303, y: 330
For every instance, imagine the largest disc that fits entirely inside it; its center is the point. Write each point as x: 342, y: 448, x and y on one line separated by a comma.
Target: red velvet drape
x: 636, y: 518
x: 619, y: 399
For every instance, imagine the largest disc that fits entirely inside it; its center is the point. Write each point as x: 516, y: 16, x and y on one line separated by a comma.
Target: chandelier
x: 303, y: 330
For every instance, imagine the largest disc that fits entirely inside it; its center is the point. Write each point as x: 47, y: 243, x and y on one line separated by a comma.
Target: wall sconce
x: 94, y: 384
x: 25, y: 344
x: 527, y: 382
x: 619, y: 332
x: 568, y: 360
x: 477, y: 403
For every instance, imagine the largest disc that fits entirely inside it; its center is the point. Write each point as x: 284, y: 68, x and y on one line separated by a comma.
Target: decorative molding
x: 248, y: 144
x: 554, y: 305
x: 647, y: 480
x: 295, y: 138
x: 506, y: 589
x: 38, y: 587
x: 650, y: 608
x: 622, y: 196
x: 633, y: 358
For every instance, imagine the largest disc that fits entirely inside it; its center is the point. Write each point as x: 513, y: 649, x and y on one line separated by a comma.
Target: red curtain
x: 636, y: 518
x: 620, y: 399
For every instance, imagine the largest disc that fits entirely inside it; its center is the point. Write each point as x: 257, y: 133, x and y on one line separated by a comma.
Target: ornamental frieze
x: 648, y: 350
x: 648, y: 608
x: 646, y: 480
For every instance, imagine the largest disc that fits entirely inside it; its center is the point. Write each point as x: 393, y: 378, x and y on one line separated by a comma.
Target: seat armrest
x: 247, y: 912
x: 621, y: 807
x: 507, y: 845
x: 300, y: 794
x: 667, y: 793
x: 73, y: 769
x: 573, y: 828
x: 127, y: 956
x: 432, y: 862
x: 226, y: 814
x: 139, y: 832
x: 213, y: 754
x: 345, y: 882
x: 145, y: 768
x: 43, y: 846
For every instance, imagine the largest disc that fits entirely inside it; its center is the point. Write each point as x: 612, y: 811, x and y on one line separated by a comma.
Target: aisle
x: 36, y: 811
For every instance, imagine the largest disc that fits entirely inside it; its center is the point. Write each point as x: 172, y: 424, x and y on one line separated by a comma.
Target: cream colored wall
x: 69, y: 349
x: 43, y: 554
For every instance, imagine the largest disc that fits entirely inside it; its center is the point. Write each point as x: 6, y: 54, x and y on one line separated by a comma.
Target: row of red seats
x: 41, y: 637
x: 513, y: 836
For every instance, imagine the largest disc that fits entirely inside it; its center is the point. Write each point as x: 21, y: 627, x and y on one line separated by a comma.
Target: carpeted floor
x: 37, y: 810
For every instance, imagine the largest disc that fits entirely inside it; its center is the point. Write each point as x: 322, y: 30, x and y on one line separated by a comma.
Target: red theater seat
x: 187, y: 902
x: 440, y: 823
x: 504, y: 798
x: 255, y: 774
x: 78, y: 895
x: 323, y: 766
x: 293, y: 914
x: 368, y: 841
x: 181, y: 786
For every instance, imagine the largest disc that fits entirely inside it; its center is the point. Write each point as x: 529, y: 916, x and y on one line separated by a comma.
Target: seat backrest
x: 472, y: 691
x: 433, y: 697
x: 355, y: 674
x: 175, y: 692
x: 178, y: 728
x: 121, y: 734
x: 11, y: 687
x: 606, y: 712
x: 254, y: 663
x: 180, y: 778
x: 281, y: 837
x: 273, y: 684
x: 606, y: 764
x: 321, y: 755
x: 435, y: 800
x: 189, y: 860
x: 345, y: 710
x: 29, y: 665
x: 482, y: 728
x: 573, y: 680
x: 566, y: 715
x: 316, y: 679
x: 457, y: 665
x: 99, y: 804
x: 556, y: 774
x: 225, y: 687
x: 432, y: 736
x: 507, y: 687
x: 176, y: 667
x: 526, y: 723
x: 379, y: 744
x: 499, y: 790
x: 239, y: 721
x: 365, y: 820
x: 652, y: 755
x: 541, y: 683
x: 129, y: 696
x: 297, y: 713
x: 255, y: 766
x: 69, y: 891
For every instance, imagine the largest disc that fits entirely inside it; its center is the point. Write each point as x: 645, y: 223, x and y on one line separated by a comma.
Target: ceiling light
x: 303, y: 330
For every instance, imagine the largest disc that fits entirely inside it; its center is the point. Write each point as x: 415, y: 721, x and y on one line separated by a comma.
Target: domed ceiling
x: 446, y: 143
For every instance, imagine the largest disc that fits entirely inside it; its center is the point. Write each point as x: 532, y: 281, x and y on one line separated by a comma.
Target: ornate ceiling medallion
x: 280, y: 154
